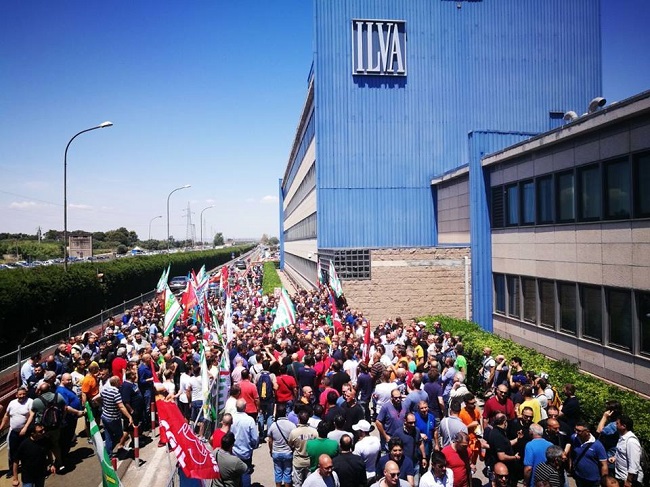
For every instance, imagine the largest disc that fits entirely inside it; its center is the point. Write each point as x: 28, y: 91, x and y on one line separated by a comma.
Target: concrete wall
x: 453, y: 211
x: 411, y: 282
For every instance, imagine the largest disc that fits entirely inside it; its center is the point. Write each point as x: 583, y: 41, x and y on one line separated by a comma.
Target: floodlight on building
x: 596, y: 103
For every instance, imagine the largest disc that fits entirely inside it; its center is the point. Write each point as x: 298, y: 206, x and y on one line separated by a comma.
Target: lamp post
x: 65, y: 190
x: 150, y: 221
x: 206, y: 208
x: 172, y: 192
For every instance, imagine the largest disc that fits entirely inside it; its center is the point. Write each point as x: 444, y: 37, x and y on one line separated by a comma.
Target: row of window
x: 303, y: 230
x: 306, y: 139
x: 349, y: 263
x: 610, y: 190
x: 302, y: 266
x: 305, y: 187
x: 606, y: 315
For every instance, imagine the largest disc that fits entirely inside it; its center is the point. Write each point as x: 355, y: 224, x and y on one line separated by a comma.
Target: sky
x: 206, y: 93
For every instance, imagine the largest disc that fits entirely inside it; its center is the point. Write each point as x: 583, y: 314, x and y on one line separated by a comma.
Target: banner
x: 192, y: 455
x: 335, y: 282
x: 173, y: 310
x: 285, y: 314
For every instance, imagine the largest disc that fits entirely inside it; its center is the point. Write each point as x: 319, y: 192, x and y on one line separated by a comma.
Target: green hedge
x: 49, y: 298
x: 271, y: 279
x: 591, y: 391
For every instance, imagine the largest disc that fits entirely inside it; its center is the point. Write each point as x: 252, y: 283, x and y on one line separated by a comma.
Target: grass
x: 271, y: 278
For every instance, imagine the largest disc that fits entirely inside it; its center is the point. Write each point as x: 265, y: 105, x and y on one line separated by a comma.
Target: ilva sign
x: 379, y: 47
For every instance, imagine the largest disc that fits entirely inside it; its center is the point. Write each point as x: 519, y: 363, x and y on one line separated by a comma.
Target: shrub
x: 271, y: 278
x: 591, y: 391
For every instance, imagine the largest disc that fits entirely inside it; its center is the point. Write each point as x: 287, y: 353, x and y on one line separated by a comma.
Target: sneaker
x: 61, y: 469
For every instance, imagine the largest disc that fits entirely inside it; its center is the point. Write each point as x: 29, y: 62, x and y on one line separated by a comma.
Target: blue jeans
x: 282, y: 466
x: 246, y: 478
x: 37, y: 483
x: 112, y: 433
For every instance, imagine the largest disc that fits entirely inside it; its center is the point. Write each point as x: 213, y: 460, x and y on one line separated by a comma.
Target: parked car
x: 178, y: 283
x: 241, y: 265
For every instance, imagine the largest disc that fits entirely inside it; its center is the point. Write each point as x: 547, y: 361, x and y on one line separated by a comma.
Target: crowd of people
x: 338, y: 404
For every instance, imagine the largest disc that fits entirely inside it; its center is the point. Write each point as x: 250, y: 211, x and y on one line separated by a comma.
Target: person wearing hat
x: 367, y: 447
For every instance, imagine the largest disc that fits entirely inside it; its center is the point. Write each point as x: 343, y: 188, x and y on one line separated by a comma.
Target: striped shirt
x: 544, y: 471
x: 111, y: 397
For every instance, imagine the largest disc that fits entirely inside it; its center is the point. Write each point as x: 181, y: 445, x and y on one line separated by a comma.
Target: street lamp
x: 65, y: 190
x: 206, y: 208
x: 173, y: 191
x: 154, y: 218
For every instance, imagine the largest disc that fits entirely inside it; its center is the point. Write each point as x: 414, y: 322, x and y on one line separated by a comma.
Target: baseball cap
x: 363, y: 425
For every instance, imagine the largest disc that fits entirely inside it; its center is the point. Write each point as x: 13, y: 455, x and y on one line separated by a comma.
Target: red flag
x: 366, y: 342
x: 189, y: 299
x: 336, y: 320
x: 192, y: 455
x: 206, y: 311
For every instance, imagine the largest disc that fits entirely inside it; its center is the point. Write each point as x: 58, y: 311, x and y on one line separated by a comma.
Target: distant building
x: 80, y: 246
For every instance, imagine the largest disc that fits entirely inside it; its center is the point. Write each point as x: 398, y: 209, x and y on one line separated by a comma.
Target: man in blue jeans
x: 112, y: 410
x: 278, y: 437
x: 246, y: 439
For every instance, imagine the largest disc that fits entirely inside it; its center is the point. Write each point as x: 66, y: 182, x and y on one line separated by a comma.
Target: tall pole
x: 168, y: 196
x: 150, y: 221
x: 206, y: 208
x: 65, y: 190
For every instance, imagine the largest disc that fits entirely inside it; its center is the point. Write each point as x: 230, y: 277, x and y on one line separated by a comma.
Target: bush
x: 271, y: 278
x: 50, y: 299
x: 591, y: 391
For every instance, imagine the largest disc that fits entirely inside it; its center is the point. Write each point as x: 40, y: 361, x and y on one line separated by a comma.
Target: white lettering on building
x: 379, y: 47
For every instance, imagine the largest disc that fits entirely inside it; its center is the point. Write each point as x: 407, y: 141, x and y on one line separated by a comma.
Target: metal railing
x: 14, y: 360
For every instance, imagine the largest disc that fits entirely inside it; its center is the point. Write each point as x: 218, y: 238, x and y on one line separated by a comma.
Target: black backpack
x: 53, y: 415
x: 265, y: 387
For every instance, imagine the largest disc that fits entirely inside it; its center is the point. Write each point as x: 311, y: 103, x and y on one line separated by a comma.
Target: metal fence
x: 13, y: 360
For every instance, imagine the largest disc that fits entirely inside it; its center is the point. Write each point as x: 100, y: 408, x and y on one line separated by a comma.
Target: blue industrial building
x: 402, y: 92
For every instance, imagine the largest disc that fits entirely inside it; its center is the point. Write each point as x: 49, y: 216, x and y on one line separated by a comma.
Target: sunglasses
x: 506, y: 476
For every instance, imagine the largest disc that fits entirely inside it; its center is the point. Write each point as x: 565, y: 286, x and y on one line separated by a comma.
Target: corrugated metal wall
x: 490, y: 65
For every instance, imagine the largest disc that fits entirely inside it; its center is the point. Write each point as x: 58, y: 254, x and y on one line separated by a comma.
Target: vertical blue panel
x: 491, y: 65
x: 281, y: 198
x: 481, y: 144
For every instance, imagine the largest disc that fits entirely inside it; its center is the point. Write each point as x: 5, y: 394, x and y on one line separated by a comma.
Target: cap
x: 363, y: 425
x: 49, y: 375
x: 422, y: 323
x: 520, y: 378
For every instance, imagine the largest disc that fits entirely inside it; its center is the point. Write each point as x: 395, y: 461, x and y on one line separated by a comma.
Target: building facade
x: 394, y: 91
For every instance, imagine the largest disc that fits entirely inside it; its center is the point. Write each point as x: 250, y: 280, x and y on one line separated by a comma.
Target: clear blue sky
x: 206, y: 93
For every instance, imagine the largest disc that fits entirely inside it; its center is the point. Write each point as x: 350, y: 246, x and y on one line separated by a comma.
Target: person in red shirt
x: 219, y: 433
x: 249, y: 394
x: 287, y: 387
x: 500, y: 403
x: 118, y: 366
x: 457, y: 454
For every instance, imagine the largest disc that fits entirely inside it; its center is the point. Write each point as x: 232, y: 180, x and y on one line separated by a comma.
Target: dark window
x: 512, y: 205
x: 513, y: 296
x: 349, y: 263
x: 530, y: 299
x: 528, y: 203
x: 566, y: 209
x: 497, y: 207
x: 545, y: 199
x: 592, y: 312
x: 590, y: 194
x: 547, y: 303
x: 555, y: 120
x: 641, y: 185
x: 643, y: 309
x: 617, y: 190
x: 566, y: 293
x: 619, y: 307
x: 500, y: 293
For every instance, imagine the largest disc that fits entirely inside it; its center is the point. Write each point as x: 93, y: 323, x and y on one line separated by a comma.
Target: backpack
x: 265, y: 387
x: 53, y: 414
x: 557, y: 402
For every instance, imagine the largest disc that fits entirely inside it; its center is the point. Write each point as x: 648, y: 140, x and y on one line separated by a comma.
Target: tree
x: 99, y: 237
x: 265, y: 239
x: 273, y: 241
x: 218, y: 239
x: 122, y: 249
x: 53, y: 235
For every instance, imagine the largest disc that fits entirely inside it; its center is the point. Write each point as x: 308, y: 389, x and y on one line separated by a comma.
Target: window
x: 349, y: 263
x: 617, y: 190
x: 499, y: 293
x: 590, y: 193
x: 641, y: 185
x: 619, y: 308
x: 304, y: 229
x: 566, y: 293
x: 545, y: 199
x: 547, y: 303
x: 528, y: 203
x: 512, y: 205
x: 530, y: 299
x: 592, y: 313
x: 643, y: 310
x: 497, y: 207
x: 513, y: 296
x: 566, y: 210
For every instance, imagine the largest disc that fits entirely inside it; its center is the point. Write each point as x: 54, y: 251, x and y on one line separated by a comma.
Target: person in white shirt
x: 627, y: 461
x: 16, y: 415
x: 367, y: 447
x: 439, y: 475
x: 350, y: 366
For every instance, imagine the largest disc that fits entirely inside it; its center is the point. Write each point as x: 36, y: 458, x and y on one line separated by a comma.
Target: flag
x: 162, y: 282
x: 189, y: 299
x: 224, y: 279
x: 366, y: 343
x: 172, y: 310
x: 335, y: 282
x: 205, y: 383
x: 223, y: 386
x: 227, y: 320
x: 321, y: 279
x: 285, y: 314
x: 336, y: 320
x: 109, y: 475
